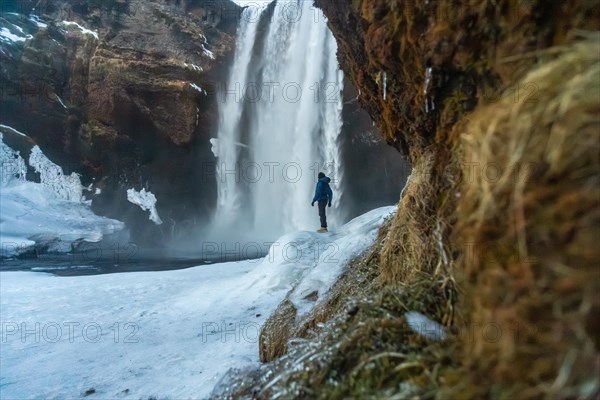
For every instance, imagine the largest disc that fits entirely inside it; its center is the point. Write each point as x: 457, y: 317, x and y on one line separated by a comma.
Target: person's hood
x: 325, y: 179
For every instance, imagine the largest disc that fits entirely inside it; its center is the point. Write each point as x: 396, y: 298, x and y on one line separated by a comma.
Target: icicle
x: 385, y: 86
x: 440, y: 243
x: 426, y: 89
x: 60, y: 101
x: 405, y: 185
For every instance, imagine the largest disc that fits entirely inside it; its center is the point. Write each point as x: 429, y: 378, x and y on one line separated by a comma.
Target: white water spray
x: 294, y: 105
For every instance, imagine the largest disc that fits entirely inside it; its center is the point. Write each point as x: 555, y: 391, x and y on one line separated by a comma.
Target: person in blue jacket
x: 323, y: 196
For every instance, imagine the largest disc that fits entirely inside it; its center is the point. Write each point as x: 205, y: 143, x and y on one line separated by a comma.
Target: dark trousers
x: 322, y: 206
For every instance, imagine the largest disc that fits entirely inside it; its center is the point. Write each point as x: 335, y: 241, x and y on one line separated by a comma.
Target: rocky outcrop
x: 102, y: 92
x: 420, y: 65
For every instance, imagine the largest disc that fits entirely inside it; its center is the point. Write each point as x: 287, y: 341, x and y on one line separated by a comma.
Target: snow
x: 425, y: 327
x: 13, y: 130
x: 85, y: 31
x: 214, y: 146
x: 208, y: 53
x: 332, y: 254
x: 146, y: 201
x: 36, y: 20
x: 198, y: 88
x: 8, y: 36
x: 194, y: 67
x: 47, y: 213
x: 170, y: 334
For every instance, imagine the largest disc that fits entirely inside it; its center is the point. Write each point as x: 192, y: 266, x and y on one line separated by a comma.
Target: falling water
x: 230, y: 113
x: 293, y: 126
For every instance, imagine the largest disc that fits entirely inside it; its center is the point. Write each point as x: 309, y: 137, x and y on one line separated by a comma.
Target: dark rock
x: 353, y: 310
x: 312, y: 296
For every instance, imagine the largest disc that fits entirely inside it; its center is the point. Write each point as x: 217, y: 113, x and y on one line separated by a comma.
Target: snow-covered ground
x: 170, y: 335
x: 51, y: 213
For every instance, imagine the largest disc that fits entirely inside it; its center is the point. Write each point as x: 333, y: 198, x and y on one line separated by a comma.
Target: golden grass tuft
x: 418, y: 238
x: 275, y: 333
x: 529, y: 227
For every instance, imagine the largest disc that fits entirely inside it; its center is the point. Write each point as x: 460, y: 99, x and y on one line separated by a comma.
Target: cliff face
x: 120, y: 80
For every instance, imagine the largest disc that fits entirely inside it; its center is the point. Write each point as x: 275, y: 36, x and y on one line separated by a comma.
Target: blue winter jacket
x: 323, y: 191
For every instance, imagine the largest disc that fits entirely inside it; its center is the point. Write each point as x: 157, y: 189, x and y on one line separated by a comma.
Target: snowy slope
x: 170, y: 334
x: 50, y: 213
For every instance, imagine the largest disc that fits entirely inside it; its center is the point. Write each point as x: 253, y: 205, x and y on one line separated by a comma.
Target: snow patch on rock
x: 83, y: 30
x: 8, y: 36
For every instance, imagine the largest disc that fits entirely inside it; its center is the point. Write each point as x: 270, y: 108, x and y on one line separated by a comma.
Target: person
x: 323, y: 196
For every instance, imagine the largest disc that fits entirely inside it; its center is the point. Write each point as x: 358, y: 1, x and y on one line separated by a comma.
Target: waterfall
x: 289, y: 108
x: 230, y: 112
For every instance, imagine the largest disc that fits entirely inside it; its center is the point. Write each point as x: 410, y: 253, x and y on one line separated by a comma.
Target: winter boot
x: 322, y: 230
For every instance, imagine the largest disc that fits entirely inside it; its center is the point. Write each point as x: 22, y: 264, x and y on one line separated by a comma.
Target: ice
x: 58, y: 185
x: 385, y: 86
x: 429, y: 104
x: 425, y: 327
x: 170, y: 334
x: 50, y: 213
x: 146, y: 201
x: 13, y: 166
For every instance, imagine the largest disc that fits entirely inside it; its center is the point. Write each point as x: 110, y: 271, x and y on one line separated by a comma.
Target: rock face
x: 102, y: 92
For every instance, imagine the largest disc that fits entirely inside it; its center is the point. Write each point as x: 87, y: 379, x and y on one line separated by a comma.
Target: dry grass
x: 529, y: 224
x: 276, y: 331
x: 418, y: 238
